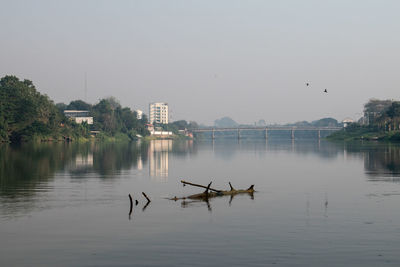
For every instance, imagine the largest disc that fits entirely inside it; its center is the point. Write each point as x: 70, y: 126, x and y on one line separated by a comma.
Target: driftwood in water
x: 130, y: 209
x: 216, y: 193
x: 199, y: 185
x: 148, y: 199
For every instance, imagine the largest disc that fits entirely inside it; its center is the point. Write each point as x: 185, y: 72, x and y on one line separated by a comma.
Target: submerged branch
x: 130, y: 200
x: 148, y: 199
x: 206, y: 195
x: 199, y: 185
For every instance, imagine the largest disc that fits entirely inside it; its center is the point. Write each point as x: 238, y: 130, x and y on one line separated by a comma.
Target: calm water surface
x: 317, y: 204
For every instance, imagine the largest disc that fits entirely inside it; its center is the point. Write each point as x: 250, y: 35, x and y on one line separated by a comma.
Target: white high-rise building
x: 158, y: 112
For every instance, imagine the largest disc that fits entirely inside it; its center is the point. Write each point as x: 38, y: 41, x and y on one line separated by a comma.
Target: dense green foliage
x: 111, y: 118
x: 356, y: 132
x: 382, y: 122
x: 25, y: 114
x: 374, y: 109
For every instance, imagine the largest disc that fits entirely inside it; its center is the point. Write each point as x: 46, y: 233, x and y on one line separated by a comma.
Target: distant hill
x: 225, y: 122
x: 325, y: 122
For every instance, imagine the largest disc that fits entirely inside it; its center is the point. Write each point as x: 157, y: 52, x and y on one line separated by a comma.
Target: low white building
x: 79, y: 116
x: 347, y: 121
x: 158, y: 131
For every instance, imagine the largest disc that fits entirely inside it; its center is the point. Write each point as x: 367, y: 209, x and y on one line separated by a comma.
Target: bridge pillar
x: 292, y: 133
x: 213, y: 134
x: 319, y: 134
x: 238, y: 133
x: 266, y: 133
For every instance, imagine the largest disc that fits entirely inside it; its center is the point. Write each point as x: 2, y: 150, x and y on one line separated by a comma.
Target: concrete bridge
x: 238, y: 130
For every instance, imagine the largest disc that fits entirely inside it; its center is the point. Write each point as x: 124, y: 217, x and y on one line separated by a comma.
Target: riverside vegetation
x: 381, y: 121
x: 28, y: 115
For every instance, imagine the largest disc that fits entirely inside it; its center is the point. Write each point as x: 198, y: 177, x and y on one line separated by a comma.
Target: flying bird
x: 325, y: 91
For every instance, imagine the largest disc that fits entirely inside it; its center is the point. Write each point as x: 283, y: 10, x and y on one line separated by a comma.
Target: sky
x: 207, y: 59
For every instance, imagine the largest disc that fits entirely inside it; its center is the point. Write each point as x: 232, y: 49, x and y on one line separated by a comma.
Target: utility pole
x: 85, y: 87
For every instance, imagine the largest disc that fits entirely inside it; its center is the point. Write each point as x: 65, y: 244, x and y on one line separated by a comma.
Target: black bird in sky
x: 325, y: 91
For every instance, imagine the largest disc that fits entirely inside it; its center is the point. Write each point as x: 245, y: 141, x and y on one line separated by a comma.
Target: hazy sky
x: 246, y: 59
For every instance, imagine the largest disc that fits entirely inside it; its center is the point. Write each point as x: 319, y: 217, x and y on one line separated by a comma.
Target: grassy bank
x: 357, y: 132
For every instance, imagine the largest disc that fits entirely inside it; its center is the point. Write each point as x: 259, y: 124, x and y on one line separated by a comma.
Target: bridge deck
x: 282, y: 128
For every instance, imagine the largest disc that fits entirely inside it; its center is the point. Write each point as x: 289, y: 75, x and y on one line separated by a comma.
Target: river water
x: 317, y: 204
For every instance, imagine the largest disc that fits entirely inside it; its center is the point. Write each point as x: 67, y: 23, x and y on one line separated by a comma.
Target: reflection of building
x: 140, y: 163
x: 81, y: 163
x: 158, y: 157
x: 158, y: 113
x: 79, y: 116
x: 84, y: 160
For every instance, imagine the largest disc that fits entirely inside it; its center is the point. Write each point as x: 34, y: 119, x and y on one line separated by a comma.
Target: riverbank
x: 101, y: 137
x: 364, y: 133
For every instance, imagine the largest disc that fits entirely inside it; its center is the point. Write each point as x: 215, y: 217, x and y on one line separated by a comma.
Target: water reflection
x: 28, y: 170
x: 27, y: 166
x: 381, y: 160
x: 159, y: 155
x: 158, y: 158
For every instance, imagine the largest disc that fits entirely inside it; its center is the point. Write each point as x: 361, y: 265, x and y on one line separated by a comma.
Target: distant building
x: 158, y: 113
x: 158, y: 131
x: 79, y: 116
x: 347, y: 121
x: 139, y: 113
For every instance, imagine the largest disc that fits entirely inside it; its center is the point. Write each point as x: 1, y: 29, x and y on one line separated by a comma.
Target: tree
x: 79, y: 105
x: 110, y: 117
x: 394, y: 110
x: 374, y: 108
x: 25, y: 112
x: 181, y: 124
x: 114, y: 103
x: 61, y: 106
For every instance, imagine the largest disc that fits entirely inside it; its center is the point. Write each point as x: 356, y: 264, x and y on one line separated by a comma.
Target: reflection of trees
x: 226, y: 149
x: 26, y: 166
x: 27, y: 170
x: 107, y: 158
x: 381, y: 160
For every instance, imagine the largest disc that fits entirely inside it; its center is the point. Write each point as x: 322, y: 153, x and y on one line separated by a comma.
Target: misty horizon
x: 207, y: 60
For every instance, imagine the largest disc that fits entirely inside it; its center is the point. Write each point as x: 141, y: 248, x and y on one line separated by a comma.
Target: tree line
x: 381, y: 121
x: 26, y: 114
x: 110, y: 117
